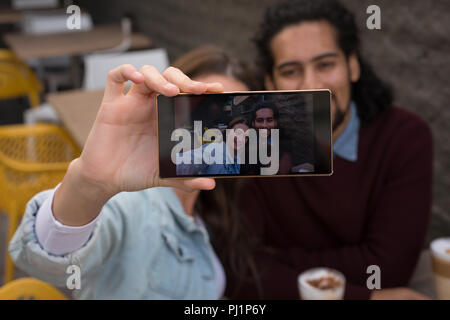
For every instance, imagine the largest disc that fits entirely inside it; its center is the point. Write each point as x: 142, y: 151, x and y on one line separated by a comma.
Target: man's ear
x: 268, y: 82
x: 354, y: 67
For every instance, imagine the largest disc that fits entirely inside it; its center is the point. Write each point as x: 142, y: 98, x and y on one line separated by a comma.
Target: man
x: 375, y: 208
x: 265, y: 118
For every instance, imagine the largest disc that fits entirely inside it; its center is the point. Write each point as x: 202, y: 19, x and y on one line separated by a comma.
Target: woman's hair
x: 370, y: 93
x: 238, y: 120
x: 219, y: 207
x: 208, y: 59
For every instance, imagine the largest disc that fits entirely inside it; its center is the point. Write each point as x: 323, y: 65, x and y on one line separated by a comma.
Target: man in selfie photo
x: 375, y: 208
x: 265, y: 119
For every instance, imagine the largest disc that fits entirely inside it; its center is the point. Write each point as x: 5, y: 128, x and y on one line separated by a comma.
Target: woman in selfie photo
x: 132, y: 234
x: 218, y: 157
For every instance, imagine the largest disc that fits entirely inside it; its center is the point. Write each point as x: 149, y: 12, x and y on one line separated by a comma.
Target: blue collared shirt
x: 346, y: 144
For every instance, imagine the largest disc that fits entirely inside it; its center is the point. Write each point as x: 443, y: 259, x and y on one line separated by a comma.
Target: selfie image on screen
x: 242, y: 135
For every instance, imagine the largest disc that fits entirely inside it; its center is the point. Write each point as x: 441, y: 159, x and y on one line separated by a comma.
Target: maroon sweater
x: 372, y: 211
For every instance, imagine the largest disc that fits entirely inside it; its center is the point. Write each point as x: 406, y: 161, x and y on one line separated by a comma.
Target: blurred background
x: 410, y: 52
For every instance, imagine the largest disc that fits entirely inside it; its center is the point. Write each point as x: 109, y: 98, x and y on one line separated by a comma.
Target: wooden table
x: 71, y: 43
x: 8, y: 15
x: 77, y: 110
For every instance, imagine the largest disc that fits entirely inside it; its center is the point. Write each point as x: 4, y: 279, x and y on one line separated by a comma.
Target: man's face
x: 307, y: 56
x: 265, y: 119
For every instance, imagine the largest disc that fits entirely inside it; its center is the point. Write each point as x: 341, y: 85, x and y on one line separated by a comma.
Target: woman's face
x: 240, y: 138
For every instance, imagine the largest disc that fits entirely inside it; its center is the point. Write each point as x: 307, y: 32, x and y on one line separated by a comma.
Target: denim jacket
x: 143, y: 246
x: 204, y: 155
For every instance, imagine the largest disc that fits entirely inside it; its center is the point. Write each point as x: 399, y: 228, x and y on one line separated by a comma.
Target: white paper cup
x: 440, y: 253
x: 321, y: 284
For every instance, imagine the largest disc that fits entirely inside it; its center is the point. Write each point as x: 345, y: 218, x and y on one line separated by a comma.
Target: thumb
x: 189, y: 185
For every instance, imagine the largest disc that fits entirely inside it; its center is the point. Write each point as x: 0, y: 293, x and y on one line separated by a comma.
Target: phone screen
x: 239, y: 134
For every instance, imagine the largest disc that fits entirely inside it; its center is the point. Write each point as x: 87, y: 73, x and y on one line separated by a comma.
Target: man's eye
x: 288, y: 72
x: 325, y: 65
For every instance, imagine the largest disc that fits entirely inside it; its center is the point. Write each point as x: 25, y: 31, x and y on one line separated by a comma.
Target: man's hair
x: 370, y: 93
x: 265, y: 106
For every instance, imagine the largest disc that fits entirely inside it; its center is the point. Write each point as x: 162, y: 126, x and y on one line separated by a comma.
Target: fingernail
x: 137, y: 74
x: 217, y: 85
x: 198, y: 83
x: 170, y: 86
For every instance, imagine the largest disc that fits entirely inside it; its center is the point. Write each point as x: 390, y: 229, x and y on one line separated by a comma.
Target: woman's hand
x: 120, y: 153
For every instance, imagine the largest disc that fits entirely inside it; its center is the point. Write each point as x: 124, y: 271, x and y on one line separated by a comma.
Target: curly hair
x: 370, y: 93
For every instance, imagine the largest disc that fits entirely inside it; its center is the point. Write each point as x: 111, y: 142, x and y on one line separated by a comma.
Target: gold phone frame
x: 253, y: 176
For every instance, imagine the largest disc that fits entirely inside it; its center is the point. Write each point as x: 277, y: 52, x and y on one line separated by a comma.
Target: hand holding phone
x: 121, y: 150
x: 120, y: 153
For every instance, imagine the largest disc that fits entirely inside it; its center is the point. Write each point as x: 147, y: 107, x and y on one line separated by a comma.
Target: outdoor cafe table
x: 77, y: 110
x: 8, y: 16
x: 71, y: 43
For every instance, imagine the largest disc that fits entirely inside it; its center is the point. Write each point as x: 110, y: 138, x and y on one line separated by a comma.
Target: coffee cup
x: 440, y: 253
x: 321, y: 284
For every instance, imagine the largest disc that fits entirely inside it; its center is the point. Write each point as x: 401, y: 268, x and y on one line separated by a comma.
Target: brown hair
x: 238, y: 120
x: 208, y: 59
x: 219, y: 207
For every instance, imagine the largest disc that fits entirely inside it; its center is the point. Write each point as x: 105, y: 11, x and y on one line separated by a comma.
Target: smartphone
x: 245, y: 134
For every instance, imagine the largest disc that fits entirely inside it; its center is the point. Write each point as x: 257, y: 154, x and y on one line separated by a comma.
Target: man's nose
x: 310, y: 81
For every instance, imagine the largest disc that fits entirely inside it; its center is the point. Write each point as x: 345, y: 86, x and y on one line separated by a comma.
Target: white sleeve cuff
x: 57, y: 238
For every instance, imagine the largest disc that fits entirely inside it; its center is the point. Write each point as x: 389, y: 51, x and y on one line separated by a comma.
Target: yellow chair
x: 18, y: 79
x: 33, y: 158
x: 30, y: 289
x: 8, y: 55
